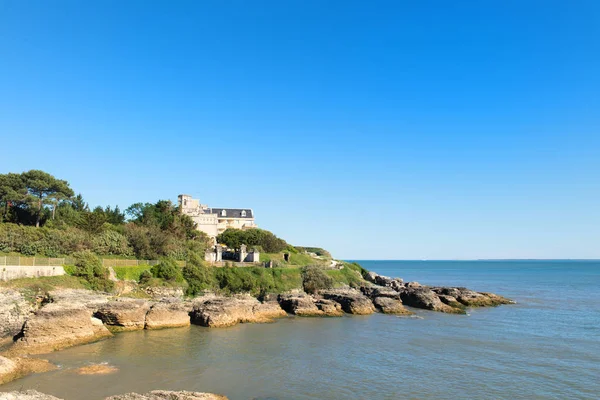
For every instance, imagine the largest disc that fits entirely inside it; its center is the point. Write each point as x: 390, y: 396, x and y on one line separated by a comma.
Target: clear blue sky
x: 376, y: 129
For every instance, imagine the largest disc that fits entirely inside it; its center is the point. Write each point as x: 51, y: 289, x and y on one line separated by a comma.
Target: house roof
x: 232, y: 212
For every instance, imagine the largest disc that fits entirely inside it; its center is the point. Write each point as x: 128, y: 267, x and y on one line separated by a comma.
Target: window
x: 243, y: 213
x: 223, y: 213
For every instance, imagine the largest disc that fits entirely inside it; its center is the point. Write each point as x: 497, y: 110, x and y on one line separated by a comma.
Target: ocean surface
x: 547, y: 346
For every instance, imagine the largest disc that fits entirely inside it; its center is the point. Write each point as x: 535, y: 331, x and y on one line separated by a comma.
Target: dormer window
x: 243, y: 213
x: 223, y: 213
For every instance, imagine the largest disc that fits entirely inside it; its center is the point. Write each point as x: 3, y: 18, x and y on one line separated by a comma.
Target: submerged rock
x: 57, y: 326
x: 154, y: 395
x: 351, y: 300
x: 97, y: 369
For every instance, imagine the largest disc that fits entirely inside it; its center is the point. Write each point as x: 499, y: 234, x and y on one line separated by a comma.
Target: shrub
x: 145, y: 277
x: 167, y: 270
x: 198, y: 276
x: 89, y: 267
x: 267, y: 241
x: 315, y: 279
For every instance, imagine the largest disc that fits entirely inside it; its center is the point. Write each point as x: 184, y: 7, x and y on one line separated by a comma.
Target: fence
x: 56, y: 262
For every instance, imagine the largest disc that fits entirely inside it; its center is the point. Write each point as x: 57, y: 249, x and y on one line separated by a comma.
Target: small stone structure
x: 217, y: 255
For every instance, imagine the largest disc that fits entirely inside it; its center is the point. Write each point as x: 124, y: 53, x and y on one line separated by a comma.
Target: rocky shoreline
x: 69, y: 317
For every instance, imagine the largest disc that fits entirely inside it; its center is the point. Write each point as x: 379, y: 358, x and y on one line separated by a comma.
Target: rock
x: 97, y: 369
x: 389, y: 305
x: 56, y: 326
x: 411, y: 285
x: 351, y: 300
x: 422, y: 297
x: 379, y: 291
x: 168, y: 314
x: 299, y: 304
x: 26, y: 395
x: 471, y: 298
x: 154, y: 395
x: 90, y: 299
x: 329, y: 308
x: 8, y: 370
x: 168, y: 395
x: 304, y: 305
x: 158, y: 292
x: 268, y: 311
x: 14, y: 310
x: 383, y: 280
x: 124, y: 314
x: 218, y: 312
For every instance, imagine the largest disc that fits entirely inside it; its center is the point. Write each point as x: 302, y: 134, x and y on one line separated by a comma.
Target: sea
x: 546, y: 346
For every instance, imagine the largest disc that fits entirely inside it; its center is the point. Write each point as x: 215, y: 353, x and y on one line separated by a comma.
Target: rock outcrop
x: 218, y: 311
x: 168, y: 395
x: 8, y: 370
x: 385, y: 299
x: 305, y: 305
x: 171, y: 313
x: 124, y: 314
x: 422, y: 297
x: 351, y: 300
x: 90, y: 299
x: 57, y: 326
x: 14, y: 311
x: 469, y: 297
x: 26, y: 395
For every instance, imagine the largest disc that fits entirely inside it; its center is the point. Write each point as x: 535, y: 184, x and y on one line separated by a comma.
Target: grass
x: 295, y: 260
x: 257, y: 280
x: 32, y: 287
x: 130, y: 273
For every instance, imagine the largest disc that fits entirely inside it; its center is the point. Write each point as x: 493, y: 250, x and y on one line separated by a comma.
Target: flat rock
x: 168, y: 314
x: 220, y: 311
x: 90, y: 299
x: 168, y: 395
x: 422, y: 297
x: 8, y: 370
x: 57, y: 326
x: 471, y: 298
x: 26, y: 395
x: 124, y: 314
x: 351, y: 300
x: 305, y: 305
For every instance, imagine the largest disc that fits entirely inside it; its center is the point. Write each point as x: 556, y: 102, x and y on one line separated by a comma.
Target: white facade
x: 214, y: 221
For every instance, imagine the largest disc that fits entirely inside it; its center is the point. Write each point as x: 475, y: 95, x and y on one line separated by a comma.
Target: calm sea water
x: 545, y: 347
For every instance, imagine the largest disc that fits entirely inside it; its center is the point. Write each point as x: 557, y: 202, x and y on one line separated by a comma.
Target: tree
x: 12, y: 190
x: 40, y: 185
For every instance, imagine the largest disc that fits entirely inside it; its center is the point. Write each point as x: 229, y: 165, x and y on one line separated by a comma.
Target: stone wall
x: 9, y: 272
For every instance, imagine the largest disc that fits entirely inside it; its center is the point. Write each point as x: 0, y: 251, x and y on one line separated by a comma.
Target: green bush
x: 198, y: 276
x: 267, y: 241
x: 167, y: 270
x: 315, y: 279
x: 145, y: 277
x: 89, y: 267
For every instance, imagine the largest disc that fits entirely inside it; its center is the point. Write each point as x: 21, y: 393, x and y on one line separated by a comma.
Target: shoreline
x: 72, y: 317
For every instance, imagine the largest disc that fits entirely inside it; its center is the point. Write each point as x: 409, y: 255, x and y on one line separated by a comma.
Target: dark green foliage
x: 167, y: 270
x: 145, y: 277
x: 198, y: 276
x: 256, y: 280
x: 315, y: 278
x: 89, y: 267
x: 267, y: 241
x: 92, y: 222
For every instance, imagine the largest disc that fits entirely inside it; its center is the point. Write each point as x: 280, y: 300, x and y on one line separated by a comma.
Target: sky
x: 374, y: 129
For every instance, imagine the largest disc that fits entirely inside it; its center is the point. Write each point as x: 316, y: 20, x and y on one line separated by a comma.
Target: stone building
x: 214, y: 221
